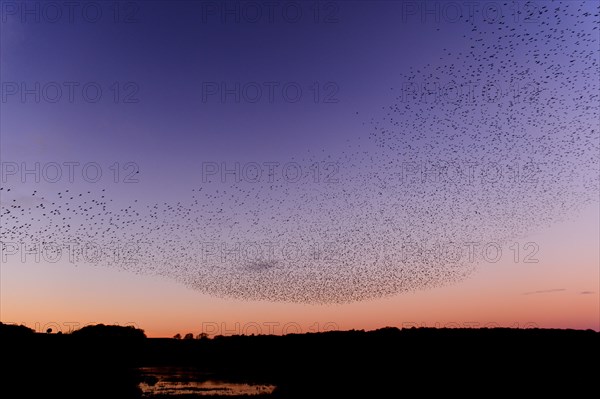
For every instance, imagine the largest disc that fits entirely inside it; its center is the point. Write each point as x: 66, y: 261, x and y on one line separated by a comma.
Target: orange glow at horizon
x: 560, y: 291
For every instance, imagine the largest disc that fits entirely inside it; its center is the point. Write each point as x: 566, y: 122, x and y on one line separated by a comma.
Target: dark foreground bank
x: 109, y: 362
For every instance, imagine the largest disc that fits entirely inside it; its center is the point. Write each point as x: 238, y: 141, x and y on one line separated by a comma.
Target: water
x: 177, y: 381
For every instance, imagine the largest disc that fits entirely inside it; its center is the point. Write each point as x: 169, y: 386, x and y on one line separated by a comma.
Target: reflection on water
x: 185, y: 381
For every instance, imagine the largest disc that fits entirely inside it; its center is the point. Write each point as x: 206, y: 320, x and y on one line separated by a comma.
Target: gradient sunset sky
x: 162, y: 68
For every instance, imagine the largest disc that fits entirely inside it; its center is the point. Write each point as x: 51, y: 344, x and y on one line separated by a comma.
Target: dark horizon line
x: 201, y: 336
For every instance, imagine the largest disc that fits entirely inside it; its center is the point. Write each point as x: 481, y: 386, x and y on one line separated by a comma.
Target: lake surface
x: 176, y: 381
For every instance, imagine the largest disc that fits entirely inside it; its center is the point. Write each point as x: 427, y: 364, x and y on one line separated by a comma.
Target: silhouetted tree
x: 101, y: 330
x: 189, y: 336
x: 177, y: 336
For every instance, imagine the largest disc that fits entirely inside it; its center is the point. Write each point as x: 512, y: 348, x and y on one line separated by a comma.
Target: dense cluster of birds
x: 437, y: 172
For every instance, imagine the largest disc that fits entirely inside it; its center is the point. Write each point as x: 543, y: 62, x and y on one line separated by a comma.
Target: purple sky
x: 179, y: 85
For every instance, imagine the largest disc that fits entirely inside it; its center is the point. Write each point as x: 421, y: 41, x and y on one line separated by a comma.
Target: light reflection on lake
x: 185, y: 381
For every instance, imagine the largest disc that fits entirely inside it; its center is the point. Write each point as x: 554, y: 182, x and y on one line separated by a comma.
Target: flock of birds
x: 377, y: 229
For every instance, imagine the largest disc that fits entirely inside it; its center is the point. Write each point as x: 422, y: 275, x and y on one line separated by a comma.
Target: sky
x: 294, y: 166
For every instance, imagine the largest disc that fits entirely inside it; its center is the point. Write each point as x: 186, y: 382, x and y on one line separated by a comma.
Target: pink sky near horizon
x: 560, y: 291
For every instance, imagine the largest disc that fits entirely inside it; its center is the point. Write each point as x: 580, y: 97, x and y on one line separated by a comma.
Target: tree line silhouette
x: 104, y: 361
